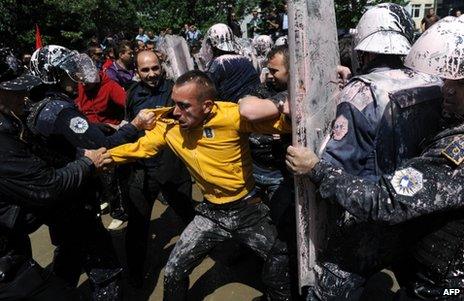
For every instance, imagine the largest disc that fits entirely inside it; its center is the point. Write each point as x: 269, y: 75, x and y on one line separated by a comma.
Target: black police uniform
x: 165, y: 173
x: 81, y: 239
x: 425, y: 192
x: 29, y: 189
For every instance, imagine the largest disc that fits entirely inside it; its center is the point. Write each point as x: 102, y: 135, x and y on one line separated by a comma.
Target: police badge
x: 407, y: 181
x: 78, y: 125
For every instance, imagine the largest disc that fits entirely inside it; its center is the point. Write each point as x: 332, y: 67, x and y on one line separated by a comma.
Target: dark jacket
x: 426, y: 192
x: 28, y: 186
x: 166, y: 166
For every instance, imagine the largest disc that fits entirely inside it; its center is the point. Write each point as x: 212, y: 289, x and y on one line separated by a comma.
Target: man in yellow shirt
x: 212, y: 140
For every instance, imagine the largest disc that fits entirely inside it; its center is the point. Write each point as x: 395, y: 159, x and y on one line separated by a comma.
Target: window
x: 416, y: 8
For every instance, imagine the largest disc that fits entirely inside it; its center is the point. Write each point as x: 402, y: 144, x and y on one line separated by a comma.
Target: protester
x: 210, y: 137
x: 164, y: 173
x: 121, y: 71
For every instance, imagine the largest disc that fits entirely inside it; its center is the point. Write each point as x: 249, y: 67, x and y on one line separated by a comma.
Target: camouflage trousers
x: 247, y: 223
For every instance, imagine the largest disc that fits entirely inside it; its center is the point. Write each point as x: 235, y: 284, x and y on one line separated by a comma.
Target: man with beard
x: 164, y: 173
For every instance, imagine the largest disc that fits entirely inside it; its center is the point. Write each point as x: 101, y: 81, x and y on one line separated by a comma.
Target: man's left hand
x: 300, y: 160
x: 145, y: 120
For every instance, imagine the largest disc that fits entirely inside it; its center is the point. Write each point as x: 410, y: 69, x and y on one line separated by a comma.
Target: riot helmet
x: 386, y: 28
x: 220, y: 36
x: 281, y: 41
x: 262, y: 44
x: 440, y: 50
x: 47, y: 63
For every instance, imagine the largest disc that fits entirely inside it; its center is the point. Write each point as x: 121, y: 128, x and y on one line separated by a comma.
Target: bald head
x: 149, y: 68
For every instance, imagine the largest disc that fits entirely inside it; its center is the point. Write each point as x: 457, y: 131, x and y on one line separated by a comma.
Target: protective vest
x: 408, y: 107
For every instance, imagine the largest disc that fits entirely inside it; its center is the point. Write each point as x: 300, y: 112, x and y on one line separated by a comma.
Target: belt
x: 251, y: 198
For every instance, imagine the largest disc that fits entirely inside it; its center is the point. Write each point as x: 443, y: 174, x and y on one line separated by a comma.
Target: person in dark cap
x: 28, y: 189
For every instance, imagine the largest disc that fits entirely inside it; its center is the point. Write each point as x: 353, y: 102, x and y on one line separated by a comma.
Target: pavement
x: 215, y: 279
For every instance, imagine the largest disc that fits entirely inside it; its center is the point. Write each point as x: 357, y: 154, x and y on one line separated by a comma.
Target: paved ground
x: 211, y: 281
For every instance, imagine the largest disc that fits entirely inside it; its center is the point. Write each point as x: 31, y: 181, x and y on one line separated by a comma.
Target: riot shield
x: 313, y: 91
x: 178, y: 59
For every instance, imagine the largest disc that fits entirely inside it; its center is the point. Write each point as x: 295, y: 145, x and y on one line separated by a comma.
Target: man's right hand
x: 100, y: 157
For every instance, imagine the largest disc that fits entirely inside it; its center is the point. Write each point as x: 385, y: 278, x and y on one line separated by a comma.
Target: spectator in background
x: 458, y: 13
x: 26, y: 61
x: 193, y: 35
x: 233, y: 23
x: 96, y: 54
x: 283, y: 21
x: 121, y: 70
x: 255, y: 26
x: 185, y: 31
x: 151, y: 38
x: 272, y: 23
x: 139, y: 46
x: 168, y: 31
x: 142, y: 36
x: 108, y: 45
x: 430, y: 19
x: 150, y: 46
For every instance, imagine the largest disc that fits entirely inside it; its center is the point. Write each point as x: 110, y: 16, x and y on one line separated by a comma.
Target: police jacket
x: 234, y: 76
x: 166, y: 166
x: 28, y: 186
x: 427, y: 191
x: 382, y: 119
x: 62, y: 129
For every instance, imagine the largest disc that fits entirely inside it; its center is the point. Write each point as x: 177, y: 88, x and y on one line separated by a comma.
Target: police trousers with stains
x: 247, y: 223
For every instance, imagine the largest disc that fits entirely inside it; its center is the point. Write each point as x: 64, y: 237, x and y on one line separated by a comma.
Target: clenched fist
x: 145, y: 120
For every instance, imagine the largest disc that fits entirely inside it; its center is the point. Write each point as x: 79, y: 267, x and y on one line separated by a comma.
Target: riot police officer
x: 61, y: 130
x: 425, y: 191
x: 28, y: 189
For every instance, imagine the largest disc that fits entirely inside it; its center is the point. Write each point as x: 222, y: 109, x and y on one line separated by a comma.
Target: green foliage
x: 72, y: 22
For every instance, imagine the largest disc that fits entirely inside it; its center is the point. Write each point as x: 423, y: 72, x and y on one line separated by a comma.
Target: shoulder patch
x: 455, y: 151
x: 340, y: 128
x: 78, y: 125
x: 407, y: 182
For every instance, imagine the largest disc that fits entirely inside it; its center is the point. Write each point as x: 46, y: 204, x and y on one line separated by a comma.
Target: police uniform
x: 382, y: 119
x: 148, y: 177
x: 426, y: 192
x: 218, y: 157
x: 29, y: 188
x: 60, y: 130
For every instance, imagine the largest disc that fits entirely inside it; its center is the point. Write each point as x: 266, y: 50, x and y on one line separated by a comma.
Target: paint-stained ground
x: 220, y: 277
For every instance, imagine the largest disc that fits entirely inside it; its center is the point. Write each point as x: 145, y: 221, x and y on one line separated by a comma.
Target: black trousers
x: 247, y: 223
x: 142, y: 193
x: 83, y: 243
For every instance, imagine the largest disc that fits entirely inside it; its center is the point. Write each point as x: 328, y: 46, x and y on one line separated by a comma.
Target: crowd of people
x: 110, y: 127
